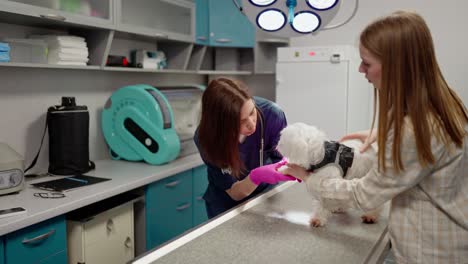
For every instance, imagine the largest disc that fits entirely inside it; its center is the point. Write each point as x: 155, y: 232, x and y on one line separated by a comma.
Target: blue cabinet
x: 200, y: 182
x: 202, y: 20
x: 168, y: 208
x: 44, y: 243
x: 174, y: 205
x: 220, y: 23
x: 2, y: 251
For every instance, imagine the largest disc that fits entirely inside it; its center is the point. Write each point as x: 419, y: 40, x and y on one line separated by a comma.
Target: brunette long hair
x: 413, y: 86
x: 219, y: 128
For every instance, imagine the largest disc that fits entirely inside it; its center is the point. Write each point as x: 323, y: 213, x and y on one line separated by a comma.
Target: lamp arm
x: 238, y: 6
x: 356, y: 5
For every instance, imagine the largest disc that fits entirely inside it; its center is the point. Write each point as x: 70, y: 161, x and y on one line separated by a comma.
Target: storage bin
x: 27, y: 50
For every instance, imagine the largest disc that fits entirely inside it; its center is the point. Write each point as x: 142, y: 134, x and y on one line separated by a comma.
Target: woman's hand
x: 366, y: 137
x: 295, y: 171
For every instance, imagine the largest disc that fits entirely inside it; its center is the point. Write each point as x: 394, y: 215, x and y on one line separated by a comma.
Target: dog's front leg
x: 320, y: 214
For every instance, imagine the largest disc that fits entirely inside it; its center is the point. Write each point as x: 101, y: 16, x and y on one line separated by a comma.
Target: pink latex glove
x: 269, y: 174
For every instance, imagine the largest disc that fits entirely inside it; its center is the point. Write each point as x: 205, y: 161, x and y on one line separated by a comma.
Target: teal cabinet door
x: 228, y: 26
x: 59, y: 258
x: 201, y: 18
x: 38, y: 243
x: 168, y: 208
x: 2, y: 251
x: 200, y: 183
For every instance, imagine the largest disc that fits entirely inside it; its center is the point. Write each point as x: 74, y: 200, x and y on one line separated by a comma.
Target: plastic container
x: 27, y: 50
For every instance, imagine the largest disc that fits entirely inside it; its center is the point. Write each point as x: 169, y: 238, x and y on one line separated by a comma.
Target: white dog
x: 308, y: 147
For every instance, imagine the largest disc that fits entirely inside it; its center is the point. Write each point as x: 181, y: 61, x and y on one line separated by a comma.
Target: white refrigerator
x: 322, y: 86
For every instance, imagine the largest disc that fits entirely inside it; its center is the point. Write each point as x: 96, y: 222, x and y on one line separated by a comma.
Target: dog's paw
x: 369, y: 219
x: 316, y: 222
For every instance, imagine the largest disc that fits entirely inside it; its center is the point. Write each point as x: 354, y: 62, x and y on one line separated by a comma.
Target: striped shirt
x: 428, y: 220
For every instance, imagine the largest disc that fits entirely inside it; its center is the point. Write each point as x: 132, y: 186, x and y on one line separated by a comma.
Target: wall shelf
x: 117, y: 35
x: 50, y: 66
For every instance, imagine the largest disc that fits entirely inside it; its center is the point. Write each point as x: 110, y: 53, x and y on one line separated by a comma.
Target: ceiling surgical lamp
x: 290, y: 18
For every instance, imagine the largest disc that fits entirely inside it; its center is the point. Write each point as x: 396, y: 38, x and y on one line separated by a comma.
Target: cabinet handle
x: 128, y: 242
x: 172, y: 184
x: 223, y: 40
x: 159, y: 35
x: 110, y: 225
x: 183, y: 207
x: 201, y: 38
x: 38, y: 238
x: 54, y: 17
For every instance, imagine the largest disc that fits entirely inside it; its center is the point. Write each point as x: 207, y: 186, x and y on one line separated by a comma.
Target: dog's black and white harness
x: 336, y: 154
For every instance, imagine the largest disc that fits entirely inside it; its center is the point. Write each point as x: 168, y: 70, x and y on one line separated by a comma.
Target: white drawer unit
x: 107, y: 237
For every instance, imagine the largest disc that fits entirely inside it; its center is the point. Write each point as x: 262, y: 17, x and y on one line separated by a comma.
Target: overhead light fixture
x: 305, y: 22
x: 262, y: 2
x: 271, y: 20
x: 322, y: 4
x: 290, y: 18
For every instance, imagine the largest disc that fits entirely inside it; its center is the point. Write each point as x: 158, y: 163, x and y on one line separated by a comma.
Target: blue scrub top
x: 216, y: 198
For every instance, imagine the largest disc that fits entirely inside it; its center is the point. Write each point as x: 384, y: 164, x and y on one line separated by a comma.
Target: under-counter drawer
x: 169, y: 208
x: 107, y: 237
x: 171, y: 192
x: 35, y: 243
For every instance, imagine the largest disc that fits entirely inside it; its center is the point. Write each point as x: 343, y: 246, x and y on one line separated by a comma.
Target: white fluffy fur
x: 302, y: 144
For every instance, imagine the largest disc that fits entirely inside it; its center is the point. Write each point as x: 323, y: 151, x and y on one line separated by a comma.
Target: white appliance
x: 322, y: 86
x: 11, y: 170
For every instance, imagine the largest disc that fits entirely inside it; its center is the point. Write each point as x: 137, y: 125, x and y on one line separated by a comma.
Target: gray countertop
x: 274, y: 228
x: 125, y: 176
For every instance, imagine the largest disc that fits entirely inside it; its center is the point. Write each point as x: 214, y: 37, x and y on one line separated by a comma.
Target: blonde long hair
x: 413, y: 86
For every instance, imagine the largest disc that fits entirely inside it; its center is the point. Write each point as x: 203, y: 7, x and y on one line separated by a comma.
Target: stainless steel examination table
x: 273, y: 228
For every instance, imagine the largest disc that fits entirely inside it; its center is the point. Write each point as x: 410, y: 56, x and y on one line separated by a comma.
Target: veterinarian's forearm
x: 241, y: 189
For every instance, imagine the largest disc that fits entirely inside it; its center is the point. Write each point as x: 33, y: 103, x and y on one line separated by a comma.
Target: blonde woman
x: 422, y: 141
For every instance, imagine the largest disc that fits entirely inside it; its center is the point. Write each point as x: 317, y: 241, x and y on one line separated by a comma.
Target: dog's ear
x: 315, y: 139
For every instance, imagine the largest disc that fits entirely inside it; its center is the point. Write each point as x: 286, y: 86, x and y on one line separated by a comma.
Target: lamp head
x: 290, y: 18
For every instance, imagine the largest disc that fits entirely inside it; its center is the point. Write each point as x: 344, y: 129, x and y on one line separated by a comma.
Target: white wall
x: 447, y: 20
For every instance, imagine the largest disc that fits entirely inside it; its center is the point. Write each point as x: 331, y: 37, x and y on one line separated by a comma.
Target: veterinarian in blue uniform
x: 229, y: 138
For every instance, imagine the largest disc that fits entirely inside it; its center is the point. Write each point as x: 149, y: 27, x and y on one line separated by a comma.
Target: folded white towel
x: 74, y: 51
x: 76, y: 63
x: 62, y: 41
x: 60, y: 37
x: 67, y: 57
x: 66, y: 44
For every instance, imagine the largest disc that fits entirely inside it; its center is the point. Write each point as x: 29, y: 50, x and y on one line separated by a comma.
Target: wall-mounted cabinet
x: 220, y: 23
x: 202, y: 22
x: 228, y: 26
x: 172, y: 19
x: 96, y: 13
x: 224, y: 44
